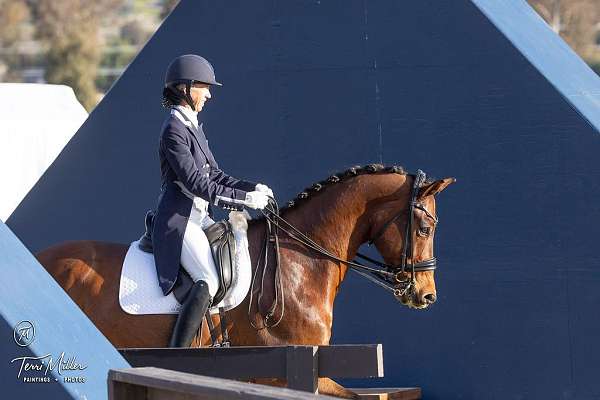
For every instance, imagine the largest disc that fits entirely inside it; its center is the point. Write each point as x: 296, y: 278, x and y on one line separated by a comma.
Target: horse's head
x: 393, y: 221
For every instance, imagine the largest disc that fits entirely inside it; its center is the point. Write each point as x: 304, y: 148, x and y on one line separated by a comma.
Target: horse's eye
x: 424, y: 231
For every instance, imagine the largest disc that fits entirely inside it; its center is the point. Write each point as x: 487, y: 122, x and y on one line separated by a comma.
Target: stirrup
x: 225, y: 342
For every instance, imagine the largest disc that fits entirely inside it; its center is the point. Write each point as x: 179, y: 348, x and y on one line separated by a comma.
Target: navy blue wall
x: 314, y: 87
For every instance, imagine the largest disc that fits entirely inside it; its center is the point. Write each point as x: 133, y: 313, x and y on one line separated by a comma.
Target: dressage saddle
x: 222, y: 244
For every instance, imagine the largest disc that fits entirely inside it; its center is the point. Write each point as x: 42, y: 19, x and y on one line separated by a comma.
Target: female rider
x: 191, y: 183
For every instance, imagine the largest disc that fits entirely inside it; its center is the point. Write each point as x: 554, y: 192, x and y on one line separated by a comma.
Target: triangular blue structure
x: 548, y: 53
x: 481, y: 90
x: 50, y: 348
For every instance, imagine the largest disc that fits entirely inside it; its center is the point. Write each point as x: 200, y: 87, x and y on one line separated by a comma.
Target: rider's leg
x: 197, y: 260
x: 196, y: 255
x: 190, y: 316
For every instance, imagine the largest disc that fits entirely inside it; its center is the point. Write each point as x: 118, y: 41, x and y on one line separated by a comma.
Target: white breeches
x: 196, y: 256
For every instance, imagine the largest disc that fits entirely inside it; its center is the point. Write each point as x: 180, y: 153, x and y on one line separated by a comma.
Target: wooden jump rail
x: 162, y: 384
x: 300, y: 366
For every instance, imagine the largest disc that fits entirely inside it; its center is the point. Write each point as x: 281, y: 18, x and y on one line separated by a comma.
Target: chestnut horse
x: 339, y: 214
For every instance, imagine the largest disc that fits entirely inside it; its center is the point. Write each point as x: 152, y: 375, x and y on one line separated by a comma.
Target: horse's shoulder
x: 84, y: 262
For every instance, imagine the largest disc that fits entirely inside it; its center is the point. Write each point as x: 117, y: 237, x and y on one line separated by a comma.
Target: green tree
x: 168, y: 6
x: 133, y: 32
x: 70, y: 30
x: 574, y: 20
x: 13, y: 15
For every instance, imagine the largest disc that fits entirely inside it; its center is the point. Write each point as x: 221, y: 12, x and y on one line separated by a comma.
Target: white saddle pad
x: 140, y: 293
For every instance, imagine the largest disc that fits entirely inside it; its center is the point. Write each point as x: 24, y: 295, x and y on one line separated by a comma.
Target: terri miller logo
x: 38, y: 369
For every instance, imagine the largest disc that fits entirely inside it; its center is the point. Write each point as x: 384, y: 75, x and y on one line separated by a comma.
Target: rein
x: 389, y: 277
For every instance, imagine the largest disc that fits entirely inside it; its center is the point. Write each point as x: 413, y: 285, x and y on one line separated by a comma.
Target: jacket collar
x: 185, y: 115
x: 196, y: 131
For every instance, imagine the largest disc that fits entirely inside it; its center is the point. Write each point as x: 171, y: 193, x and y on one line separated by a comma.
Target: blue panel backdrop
x: 476, y: 90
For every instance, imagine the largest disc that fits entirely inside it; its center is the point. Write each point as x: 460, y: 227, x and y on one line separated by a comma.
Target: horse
x: 340, y: 214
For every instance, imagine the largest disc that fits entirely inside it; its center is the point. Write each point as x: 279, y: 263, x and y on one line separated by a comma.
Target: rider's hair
x: 173, y: 95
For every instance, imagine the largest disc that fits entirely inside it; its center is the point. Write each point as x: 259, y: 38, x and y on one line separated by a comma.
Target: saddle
x: 222, y: 244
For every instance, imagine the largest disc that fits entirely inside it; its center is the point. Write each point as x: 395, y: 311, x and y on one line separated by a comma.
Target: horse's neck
x: 331, y: 219
x: 338, y: 219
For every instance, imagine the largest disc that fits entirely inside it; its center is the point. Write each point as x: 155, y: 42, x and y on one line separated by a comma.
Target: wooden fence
x: 299, y: 366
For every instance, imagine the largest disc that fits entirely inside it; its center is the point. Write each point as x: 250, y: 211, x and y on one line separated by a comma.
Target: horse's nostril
x: 429, y: 298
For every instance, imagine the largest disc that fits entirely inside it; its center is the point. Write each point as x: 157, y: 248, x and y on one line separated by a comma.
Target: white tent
x: 37, y: 121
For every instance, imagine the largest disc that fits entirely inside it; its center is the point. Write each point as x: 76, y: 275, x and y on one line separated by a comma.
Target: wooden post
x: 121, y: 390
x: 302, y: 368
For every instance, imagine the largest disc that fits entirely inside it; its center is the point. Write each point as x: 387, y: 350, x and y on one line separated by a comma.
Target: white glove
x: 256, y: 200
x: 265, y: 189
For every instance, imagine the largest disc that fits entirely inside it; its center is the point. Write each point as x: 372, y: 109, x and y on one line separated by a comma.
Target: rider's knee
x: 200, y: 289
x: 212, y: 284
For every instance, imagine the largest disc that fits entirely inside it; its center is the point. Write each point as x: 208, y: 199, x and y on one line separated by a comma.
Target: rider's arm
x: 222, y: 178
x: 199, y: 182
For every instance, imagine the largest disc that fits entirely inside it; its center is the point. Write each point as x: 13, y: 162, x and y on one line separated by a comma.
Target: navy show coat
x: 185, y: 157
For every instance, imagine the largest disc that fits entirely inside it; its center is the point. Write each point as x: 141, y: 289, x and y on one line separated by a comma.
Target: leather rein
x: 390, y: 277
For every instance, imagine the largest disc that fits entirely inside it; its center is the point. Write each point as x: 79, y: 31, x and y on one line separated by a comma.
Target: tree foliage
x: 168, y: 6
x: 574, y: 20
x: 12, y: 15
x: 70, y: 30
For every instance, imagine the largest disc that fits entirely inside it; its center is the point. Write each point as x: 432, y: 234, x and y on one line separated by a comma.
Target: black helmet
x: 190, y: 68
x: 186, y: 69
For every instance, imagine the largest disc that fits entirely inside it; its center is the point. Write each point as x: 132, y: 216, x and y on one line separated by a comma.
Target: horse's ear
x: 435, y: 187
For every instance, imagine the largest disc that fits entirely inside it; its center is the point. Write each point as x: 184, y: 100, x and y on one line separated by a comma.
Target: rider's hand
x: 256, y: 200
x: 265, y: 189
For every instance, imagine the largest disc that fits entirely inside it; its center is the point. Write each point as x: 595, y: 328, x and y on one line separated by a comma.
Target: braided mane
x: 341, y: 177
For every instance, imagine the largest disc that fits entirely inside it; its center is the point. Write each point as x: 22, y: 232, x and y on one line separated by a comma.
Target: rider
x: 191, y: 183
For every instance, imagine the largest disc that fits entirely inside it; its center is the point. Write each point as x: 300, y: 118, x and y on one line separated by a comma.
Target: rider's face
x: 200, y: 93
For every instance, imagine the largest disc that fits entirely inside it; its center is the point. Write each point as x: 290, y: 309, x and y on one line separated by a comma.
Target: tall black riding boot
x: 190, y: 316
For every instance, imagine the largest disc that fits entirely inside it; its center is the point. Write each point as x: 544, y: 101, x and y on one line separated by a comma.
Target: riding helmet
x: 190, y: 68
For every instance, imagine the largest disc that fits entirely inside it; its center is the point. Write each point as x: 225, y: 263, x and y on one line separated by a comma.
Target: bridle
x: 407, y: 250
x: 390, y: 277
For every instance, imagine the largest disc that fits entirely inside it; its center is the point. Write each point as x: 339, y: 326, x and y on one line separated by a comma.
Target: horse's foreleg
x: 329, y: 387
x: 326, y: 386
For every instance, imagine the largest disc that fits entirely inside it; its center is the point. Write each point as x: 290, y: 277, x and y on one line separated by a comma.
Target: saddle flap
x: 216, y: 231
x: 222, y: 244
